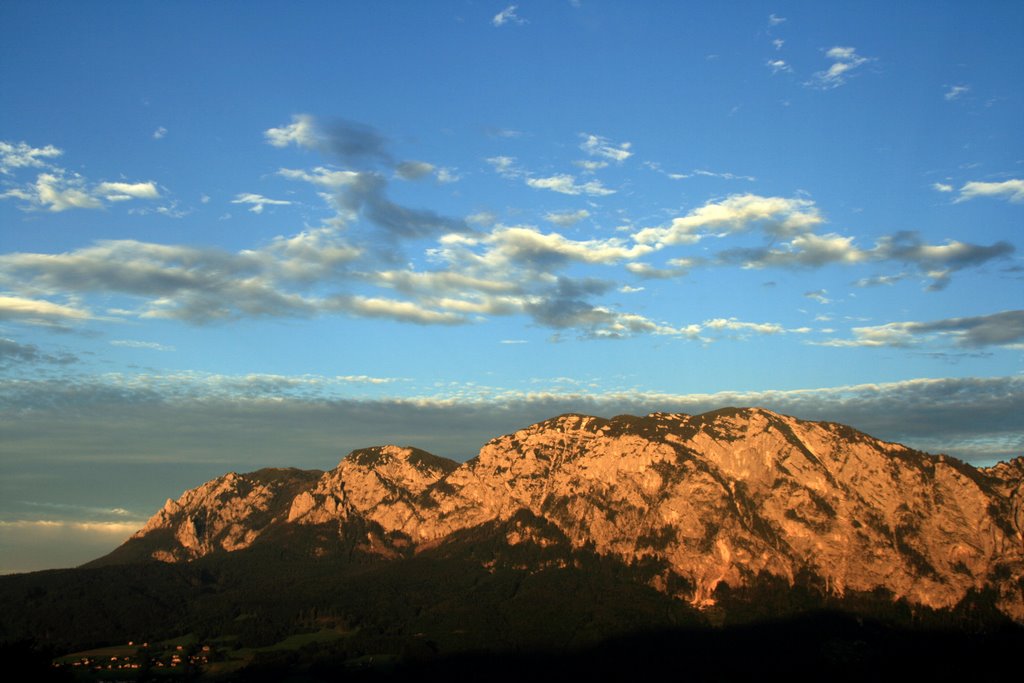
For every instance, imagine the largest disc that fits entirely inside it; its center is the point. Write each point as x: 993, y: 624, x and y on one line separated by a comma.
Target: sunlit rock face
x: 225, y: 514
x: 720, y: 497
x: 382, y: 484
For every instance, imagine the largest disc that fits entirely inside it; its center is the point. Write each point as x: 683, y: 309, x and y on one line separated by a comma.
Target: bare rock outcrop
x: 727, y: 496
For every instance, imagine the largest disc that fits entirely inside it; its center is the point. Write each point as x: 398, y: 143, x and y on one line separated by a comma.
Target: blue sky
x: 235, y: 235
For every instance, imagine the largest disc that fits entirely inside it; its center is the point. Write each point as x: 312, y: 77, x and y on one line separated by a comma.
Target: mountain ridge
x: 723, y: 497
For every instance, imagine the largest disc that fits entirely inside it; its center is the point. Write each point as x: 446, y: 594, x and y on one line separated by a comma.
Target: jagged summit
x: 375, y: 456
x: 719, y: 498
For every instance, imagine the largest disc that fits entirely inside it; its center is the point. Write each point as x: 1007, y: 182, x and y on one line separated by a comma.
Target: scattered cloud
x: 364, y: 193
x: 56, y: 192
x: 938, y: 261
x: 39, y: 311
x: 507, y: 16
x: 779, y: 216
x: 13, y: 353
x: 483, y: 218
x: 942, y: 187
x: 348, y: 141
x: 160, y: 133
x: 790, y: 223
x: 256, y: 202
x: 596, y: 145
x: 699, y: 172
x: 1010, y: 190
x: 845, y: 61
x: 879, y: 280
x: 506, y: 167
x: 778, y: 66
x: 566, y: 219
x: 565, y: 183
x: 818, y: 295
x: 997, y: 329
x: 365, y: 379
x: 590, y: 165
x: 413, y: 170
x: 22, y: 155
x: 447, y: 175
x: 196, y: 285
x: 56, y: 189
x: 955, y: 92
x: 123, y: 191
x: 136, y: 344
x: 778, y: 43
x: 775, y: 20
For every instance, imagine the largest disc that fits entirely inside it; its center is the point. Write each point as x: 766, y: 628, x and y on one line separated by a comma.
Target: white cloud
x: 57, y: 193
x: 844, y: 61
x: 136, y: 344
x: 781, y: 216
x: 774, y: 20
x: 956, y: 92
x: 507, y: 16
x: 526, y: 245
x: 38, y: 311
x: 566, y: 219
x: 778, y: 65
x: 22, y: 155
x: 565, y: 183
x: 627, y: 289
x: 942, y: 187
x: 484, y: 218
x: 447, y: 175
x: 324, y: 177
x: 1011, y: 190
x: 708, y: 174
x: 123, y: 191
x: 160, y: 133
x: 590, y: 166
x: 57, y: 190
x: 365, y: 379
x: 405, y: 311
x: 808, y: 250
x: 732, y: 324
x: 778, y: 43
x: 195, y: 285
x: 300, y: 132
x: 505, y: 166
x: 256, y: 202
x: 596, y: 145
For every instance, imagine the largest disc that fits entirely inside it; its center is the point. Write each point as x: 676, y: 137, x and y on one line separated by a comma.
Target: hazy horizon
x: 239, y: 236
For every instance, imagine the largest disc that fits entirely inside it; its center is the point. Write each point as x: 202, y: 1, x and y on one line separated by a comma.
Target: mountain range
x: 559, y: 535
x: 722, y: 497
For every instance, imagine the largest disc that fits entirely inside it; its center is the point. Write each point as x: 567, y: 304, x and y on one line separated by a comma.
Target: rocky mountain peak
x: 719, y: 498
x: 392, y: 458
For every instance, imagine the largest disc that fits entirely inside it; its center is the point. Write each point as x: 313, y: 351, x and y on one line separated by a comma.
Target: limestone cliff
x: 720, y: 497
